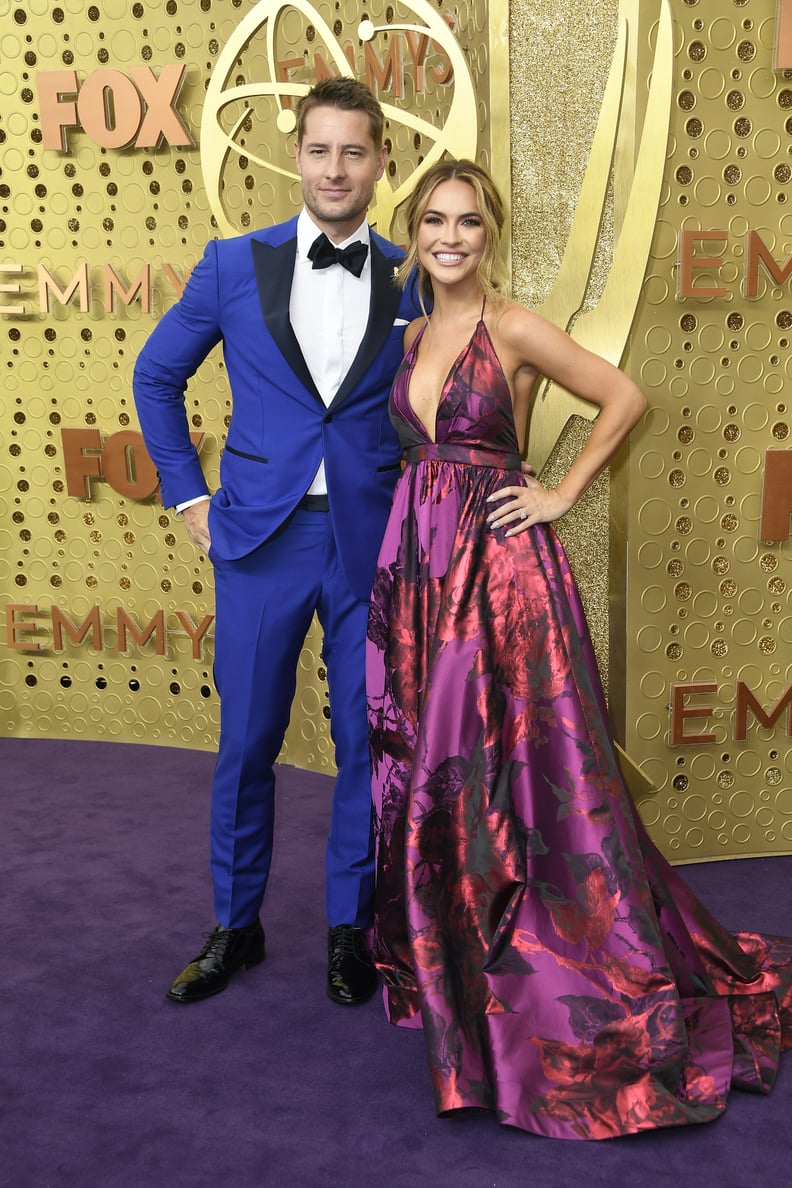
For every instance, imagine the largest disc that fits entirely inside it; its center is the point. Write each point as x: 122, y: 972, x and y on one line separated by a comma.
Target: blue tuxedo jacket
x: 279, y: 428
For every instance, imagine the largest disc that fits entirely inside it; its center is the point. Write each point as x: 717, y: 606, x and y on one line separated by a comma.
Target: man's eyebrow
x: 324, y: 144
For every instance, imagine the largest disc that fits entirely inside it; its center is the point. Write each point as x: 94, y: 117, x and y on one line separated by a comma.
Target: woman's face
x: 451, y: 235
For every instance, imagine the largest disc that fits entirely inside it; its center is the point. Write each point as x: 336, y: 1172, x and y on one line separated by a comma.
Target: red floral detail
x: 591, y: 919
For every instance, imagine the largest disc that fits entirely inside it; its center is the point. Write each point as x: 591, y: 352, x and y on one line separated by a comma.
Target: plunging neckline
x: 456, y: 364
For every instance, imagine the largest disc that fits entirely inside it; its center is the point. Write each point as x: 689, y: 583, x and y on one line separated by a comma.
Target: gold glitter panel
x: 560, y: 55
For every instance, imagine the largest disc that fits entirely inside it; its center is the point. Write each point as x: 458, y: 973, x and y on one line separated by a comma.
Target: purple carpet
x: 105, y: 1084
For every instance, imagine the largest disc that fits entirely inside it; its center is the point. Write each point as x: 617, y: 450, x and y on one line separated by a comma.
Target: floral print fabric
x: 564, y: 975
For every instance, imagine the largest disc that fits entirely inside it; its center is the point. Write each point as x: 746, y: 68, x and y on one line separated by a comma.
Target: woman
x: 564, y: 976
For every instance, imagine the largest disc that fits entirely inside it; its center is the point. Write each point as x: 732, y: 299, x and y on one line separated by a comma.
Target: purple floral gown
x: 564, y: 975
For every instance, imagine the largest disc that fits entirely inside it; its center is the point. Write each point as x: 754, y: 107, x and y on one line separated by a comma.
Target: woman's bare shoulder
x: 518, y: 331
x: 517, y: 320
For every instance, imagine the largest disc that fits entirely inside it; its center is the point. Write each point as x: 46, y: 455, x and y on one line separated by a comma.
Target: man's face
x: 338, y: 166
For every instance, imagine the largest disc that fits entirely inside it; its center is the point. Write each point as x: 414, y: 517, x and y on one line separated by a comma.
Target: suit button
x: 328, y: 418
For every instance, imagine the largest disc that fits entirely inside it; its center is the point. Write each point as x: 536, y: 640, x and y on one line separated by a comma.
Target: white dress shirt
x: 328, y: 310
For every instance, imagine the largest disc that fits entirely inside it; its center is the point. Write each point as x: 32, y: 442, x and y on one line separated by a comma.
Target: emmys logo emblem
x: 278, y: 51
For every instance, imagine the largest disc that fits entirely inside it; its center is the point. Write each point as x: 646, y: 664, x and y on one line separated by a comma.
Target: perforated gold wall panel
x: 176, y: 124
x: 708, y: 600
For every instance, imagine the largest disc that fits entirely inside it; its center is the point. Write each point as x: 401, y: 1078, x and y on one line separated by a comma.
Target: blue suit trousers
x: 265, y: 602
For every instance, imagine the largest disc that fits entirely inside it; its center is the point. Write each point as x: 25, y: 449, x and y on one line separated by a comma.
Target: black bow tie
x: 323, y: 253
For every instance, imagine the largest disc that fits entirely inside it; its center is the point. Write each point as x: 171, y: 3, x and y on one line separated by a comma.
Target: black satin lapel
x: 385, y: 297
x: 274, y: 268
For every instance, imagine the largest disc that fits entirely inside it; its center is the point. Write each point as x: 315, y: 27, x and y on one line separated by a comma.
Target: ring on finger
x: 523, y: 514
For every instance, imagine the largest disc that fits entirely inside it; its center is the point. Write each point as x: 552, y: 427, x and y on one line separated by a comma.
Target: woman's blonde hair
x: 492, y: 274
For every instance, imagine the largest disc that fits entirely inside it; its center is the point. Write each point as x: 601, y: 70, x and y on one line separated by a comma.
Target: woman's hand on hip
x: 520, y: 507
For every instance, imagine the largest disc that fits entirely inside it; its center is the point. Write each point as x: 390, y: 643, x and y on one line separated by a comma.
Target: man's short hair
x: 347, y: 94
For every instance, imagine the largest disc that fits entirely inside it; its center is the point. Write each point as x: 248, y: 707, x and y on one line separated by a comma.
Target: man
x: 311, y: 324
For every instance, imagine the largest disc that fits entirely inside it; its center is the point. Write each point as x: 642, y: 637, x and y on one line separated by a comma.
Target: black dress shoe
x: 351, y: 977
x: 226, y: 950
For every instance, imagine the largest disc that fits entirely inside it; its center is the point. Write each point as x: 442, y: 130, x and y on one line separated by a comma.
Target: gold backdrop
x: 110, y: 185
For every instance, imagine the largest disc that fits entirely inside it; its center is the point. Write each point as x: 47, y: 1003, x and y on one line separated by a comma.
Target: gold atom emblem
x: 277, y: 52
